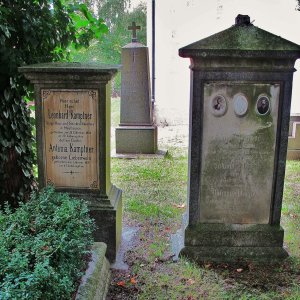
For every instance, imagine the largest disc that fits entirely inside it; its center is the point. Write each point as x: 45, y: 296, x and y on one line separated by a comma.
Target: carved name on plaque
x: 71, y: 138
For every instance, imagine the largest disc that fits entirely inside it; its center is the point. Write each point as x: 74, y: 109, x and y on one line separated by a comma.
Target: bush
x: 44, y: 246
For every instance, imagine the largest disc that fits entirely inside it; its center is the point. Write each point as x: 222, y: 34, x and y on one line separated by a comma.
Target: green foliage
x: 118, y: 16
x: 43, y: 247
x: 31, y: 31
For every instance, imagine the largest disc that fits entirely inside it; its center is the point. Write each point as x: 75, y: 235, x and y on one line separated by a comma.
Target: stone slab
x: 136, y: 107
x: 109, y: 222
x: 136, y: 139
x: 70, y: 119
x: 158, y: 154
x: 234, y: 235
x: 225, y: 254
x: 238, y: 144
x: 294, y: 142
x: 230, y: 243
x: 95, y: 282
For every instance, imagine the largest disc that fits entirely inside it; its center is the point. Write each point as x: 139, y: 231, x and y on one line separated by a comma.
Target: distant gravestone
x: 294, y: 138
x: 72, y: 103
x: 136, y: 132
x: 241, y: 81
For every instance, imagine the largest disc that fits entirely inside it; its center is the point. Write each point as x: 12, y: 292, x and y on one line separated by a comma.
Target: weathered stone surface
x: 108, y: 220
x: 241, y: 81
x: 72, y: 103
x: 294, y: 138
x: 234, y: 235
x: 227, y: 254
x: 95, y: 282
x: 136, y: 108
x: 136, y: 139
x: 237, y: 155
x: 136, y: 133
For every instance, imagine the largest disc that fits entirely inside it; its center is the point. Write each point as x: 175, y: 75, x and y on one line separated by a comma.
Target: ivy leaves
x: 32, y: 31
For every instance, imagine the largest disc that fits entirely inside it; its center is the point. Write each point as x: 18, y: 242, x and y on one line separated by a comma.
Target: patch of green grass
x: 152, y: 187
x: 115, y: 112
x: 151, y: 210
x: 291, y: 207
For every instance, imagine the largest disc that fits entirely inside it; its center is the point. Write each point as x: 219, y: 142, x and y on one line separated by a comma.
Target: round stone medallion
x: 218, y: 105
x: 262, y: 105
x: 240, y: 104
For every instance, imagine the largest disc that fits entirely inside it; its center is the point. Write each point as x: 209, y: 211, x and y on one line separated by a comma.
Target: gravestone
x: 136, y: 132
x: 241, y: 83
x: 72, y: 103
x: 294, y: 138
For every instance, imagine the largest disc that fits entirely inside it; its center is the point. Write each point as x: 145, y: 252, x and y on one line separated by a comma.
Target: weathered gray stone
x: 136, y: 139
x: 72, y: 103
x: 241, y: 80
x: 294, y: 138
x: 136, y: 133
x: 95, y: 282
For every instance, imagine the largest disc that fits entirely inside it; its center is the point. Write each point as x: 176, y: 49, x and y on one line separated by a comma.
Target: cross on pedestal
x: 134, y: 28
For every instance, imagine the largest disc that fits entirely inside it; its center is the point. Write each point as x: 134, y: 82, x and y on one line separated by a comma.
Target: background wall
x: 181, y: 22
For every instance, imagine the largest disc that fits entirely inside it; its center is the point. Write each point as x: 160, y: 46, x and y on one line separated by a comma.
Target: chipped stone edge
x: 94, y: 284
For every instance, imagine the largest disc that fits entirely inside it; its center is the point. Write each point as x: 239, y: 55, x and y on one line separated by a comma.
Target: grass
x: 154, y: 195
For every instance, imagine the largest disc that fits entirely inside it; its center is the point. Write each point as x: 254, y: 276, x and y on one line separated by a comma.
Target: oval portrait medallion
x: 240, y: 104
x: 218, y: 105
x: 263, y: 105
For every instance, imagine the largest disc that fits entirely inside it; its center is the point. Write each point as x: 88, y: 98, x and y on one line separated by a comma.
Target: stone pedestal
x: 136, y: 132
x: 294, y: 138
x: 72, y: 103
x: 241, y: 82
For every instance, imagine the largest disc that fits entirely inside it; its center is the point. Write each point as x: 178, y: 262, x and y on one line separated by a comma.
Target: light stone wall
x: 181, y: 22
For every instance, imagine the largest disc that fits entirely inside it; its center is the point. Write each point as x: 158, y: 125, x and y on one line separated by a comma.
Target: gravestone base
x: 234, y: 242
x: 293, y: 155
x: 136, y: 139
x: 107, y: 214
x: 293, y: 152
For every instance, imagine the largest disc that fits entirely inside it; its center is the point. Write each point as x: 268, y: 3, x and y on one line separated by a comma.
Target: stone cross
x: 134, y: 28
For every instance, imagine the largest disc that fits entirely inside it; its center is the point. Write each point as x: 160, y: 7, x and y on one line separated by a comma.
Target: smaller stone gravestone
x: 241, y: 82
x: 72, y: 103
x: 294, y: 138
x: 136, y: 132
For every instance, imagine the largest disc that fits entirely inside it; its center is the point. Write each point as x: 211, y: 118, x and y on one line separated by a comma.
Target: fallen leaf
x: 132, y: 280
x: 179, y: 205
x: 121, y: 283
x: 239, y: 270
x: 190, y: 282
x: 45, y: 248
x: 207, y: 266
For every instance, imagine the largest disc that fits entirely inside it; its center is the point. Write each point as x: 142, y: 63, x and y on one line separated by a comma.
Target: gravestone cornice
x: 242, y: 41
x: 69, y: 72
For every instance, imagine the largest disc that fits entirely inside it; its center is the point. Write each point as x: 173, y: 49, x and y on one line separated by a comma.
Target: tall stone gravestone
x: 73, y: 139
x: 136, y: 132
x: 241, y: 83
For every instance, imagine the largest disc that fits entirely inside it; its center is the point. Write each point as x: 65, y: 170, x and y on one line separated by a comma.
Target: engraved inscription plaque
x: 238, y: 155
x: 71, y: 138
